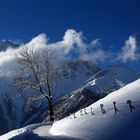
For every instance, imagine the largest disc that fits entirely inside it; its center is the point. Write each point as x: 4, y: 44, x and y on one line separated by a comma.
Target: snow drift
x: 89, y: 126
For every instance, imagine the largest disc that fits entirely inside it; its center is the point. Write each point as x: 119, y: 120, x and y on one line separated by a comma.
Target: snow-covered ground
x: 13, y: 107
x: 125, y: 125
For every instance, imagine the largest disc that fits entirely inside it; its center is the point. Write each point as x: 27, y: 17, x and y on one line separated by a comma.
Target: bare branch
x: 37, y: 71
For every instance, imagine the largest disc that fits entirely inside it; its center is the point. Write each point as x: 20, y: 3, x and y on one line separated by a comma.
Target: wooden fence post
x: 81, y: 112
x: 102, y: 109
x: 92, y: 111
x: 131, y: 107
x: 74, y: 115
x: 85, y: 111
x: 115, y: 108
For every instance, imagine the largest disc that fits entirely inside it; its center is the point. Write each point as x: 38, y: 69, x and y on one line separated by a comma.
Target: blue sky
x: 112, y: 21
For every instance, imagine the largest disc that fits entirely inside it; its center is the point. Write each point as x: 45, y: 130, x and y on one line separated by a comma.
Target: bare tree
x: 37, y: 71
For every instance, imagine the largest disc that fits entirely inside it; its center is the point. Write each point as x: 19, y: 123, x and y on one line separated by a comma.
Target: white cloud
x: 39, y: 41
x: 72, y: 41
x: 7, y: 64
x: 97, y: 56
x: 95, y: 43
x: 129, y: 51
x: 72, y: 45
x: 7, y: 55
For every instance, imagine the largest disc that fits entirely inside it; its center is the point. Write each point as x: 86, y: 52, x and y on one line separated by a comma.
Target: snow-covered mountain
x: 7, y: 106
x: 123, y: 125
x: 12, y: 108
x: 92, y: 124
x: 76, y: 72
x: 4, y: 44
x: 83, y: 83
x: 99, y: 85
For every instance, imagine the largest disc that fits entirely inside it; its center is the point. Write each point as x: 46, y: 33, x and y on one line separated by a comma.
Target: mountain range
x: 83, y: 83
x: 93, y: 123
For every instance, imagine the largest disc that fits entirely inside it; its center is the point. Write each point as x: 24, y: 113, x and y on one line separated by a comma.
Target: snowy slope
x: 76, y: 72
x: 123, y: 125
x: 118, y: 75
x: 96, y: 87
x: 12, y: 109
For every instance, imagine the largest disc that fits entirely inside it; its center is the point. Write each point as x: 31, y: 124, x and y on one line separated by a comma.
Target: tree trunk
x: 50, y: 102
x: 51, y: 113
